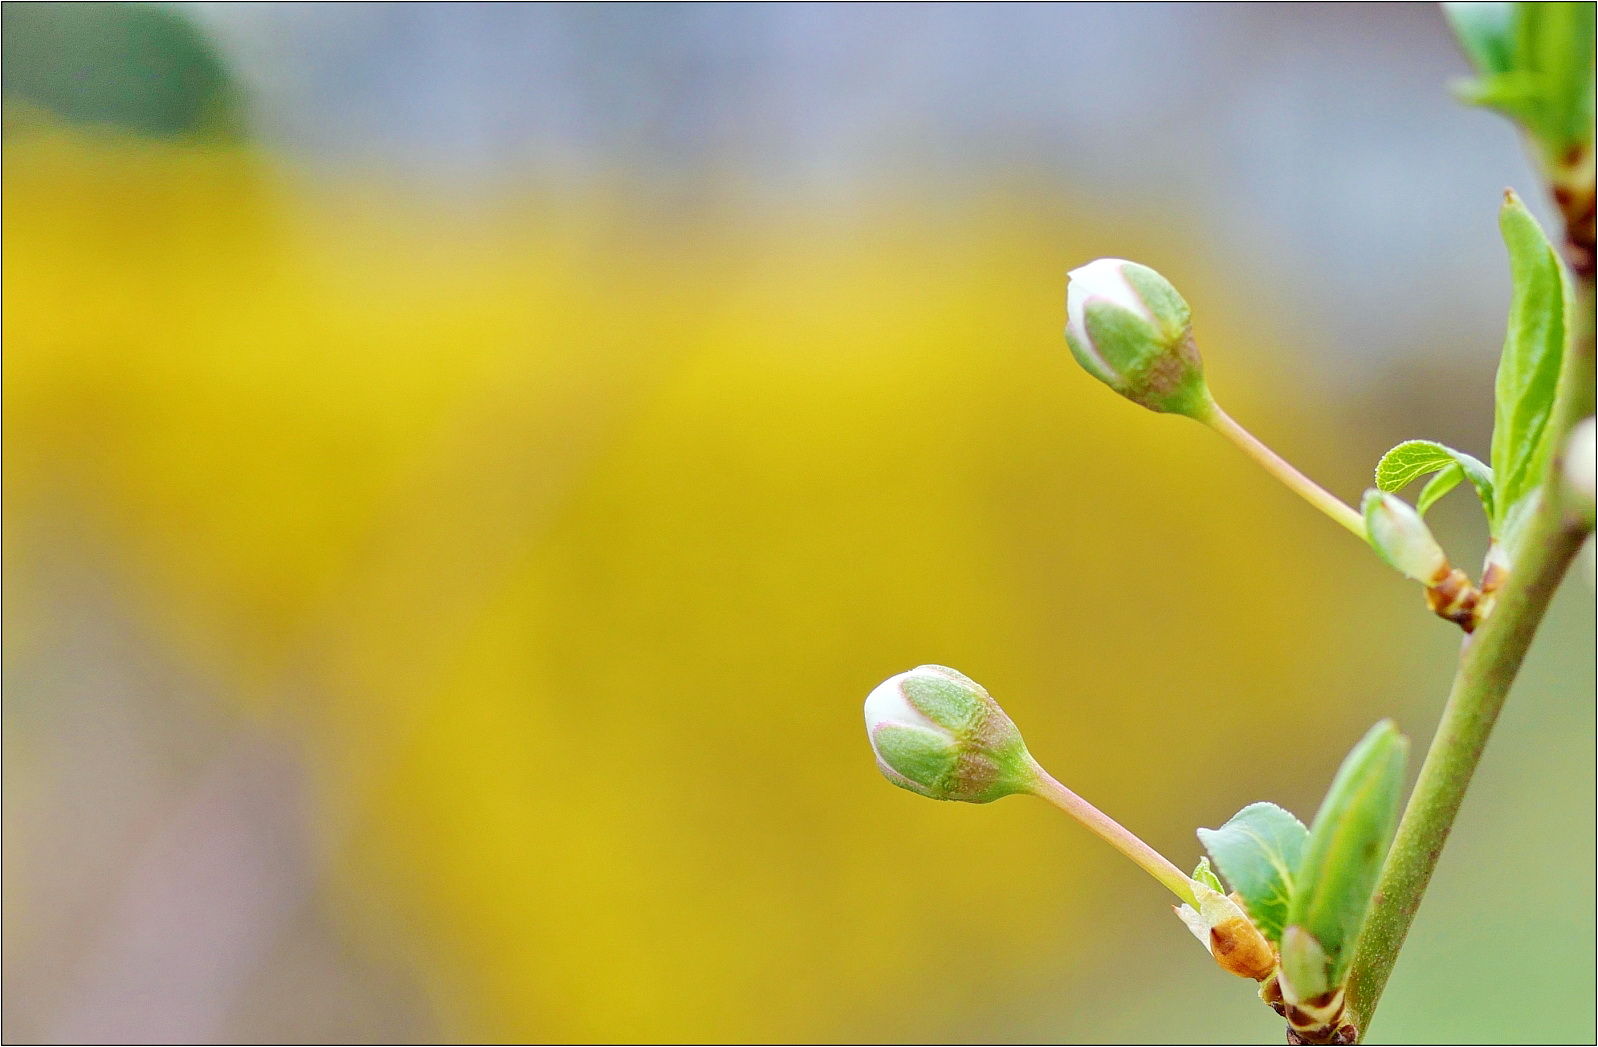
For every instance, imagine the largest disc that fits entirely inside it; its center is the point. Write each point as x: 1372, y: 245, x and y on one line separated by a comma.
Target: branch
x: 1488, y: 663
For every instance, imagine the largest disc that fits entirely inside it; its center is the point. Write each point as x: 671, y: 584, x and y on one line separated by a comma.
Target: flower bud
x: 1402, y: 539
x: 1127, y: 326
x: 938, y: 733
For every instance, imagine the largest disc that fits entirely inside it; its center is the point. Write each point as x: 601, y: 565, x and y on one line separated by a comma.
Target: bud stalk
x: 1115, y: 834
x: 1283, y: 470
x: 940, y: 734
x: 1129, y: 328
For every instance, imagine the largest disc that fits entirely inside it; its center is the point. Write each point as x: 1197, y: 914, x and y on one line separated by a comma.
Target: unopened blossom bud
x: 938, y: 733
x: 1128, y: 327
x: 1402, y: 539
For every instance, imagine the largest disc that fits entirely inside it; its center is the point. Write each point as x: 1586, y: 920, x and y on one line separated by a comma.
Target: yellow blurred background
x: 443, y: 621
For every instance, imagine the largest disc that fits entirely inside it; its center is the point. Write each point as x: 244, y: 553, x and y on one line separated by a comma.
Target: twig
x: 1488, y: 663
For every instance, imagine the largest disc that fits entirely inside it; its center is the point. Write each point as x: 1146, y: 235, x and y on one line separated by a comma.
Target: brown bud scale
x: 1271, y: 993
x: 1573, y: 192
x: 1319, y: 1020
x: 1240, y: 948
x: 1454, y: 598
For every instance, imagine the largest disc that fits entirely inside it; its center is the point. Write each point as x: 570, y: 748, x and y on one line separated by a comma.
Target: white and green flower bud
x: 1130, y: 329
x: 938, y: 733
x: 1402, y: 539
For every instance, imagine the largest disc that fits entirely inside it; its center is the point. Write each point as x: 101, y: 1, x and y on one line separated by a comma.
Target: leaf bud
x: 1402, y: 539
x: 1342, y: 859
x: 1315, y: 1009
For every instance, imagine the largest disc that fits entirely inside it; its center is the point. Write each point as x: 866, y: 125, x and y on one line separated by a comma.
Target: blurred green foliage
x: 1536, y: 66
x: 137, y: 67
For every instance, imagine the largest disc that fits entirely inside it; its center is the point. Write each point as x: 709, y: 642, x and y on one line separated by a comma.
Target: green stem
x: 1283, y: 470
x: 1488, y: 663
x: 1115, y: 834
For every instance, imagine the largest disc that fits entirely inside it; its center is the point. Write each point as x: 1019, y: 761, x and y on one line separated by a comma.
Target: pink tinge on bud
x: 937, y: 733
x: 887, y: 703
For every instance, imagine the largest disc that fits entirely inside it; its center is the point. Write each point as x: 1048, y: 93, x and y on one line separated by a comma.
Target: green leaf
x: 133, y: 66
x: 1536, y: 66
x: 1205, y: 875
x: 1446, y: 480
x: 1528, y: 370
x: 1554, y: 42
x: 1515, y: 94
x: 1347, y: 844
x: 1258, y: 851
x: 1486, y: 32
x: 1413, y: 459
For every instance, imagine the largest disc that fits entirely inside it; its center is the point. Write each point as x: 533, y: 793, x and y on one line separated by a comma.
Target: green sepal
x: 1528, y: 370
x: 1148, y: 367
x: 1170, y: 309
x: 1347, y: 844
x: 951, y: 703
x: 1258, y: 851
x: 923, y: 758
x: 1413, y: 459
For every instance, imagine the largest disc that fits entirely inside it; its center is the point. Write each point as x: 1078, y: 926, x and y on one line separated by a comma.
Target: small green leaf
x: 1347, y: 844
x: 1258, y: 851
x: 1205, y: 875
x: 1415, y: 458
x: 1554, y: 42
x: 1516, y: 95
x: 1528, y: 370
x: 1486, y: 32
x: 1536, y: 66
x: 1446, y: 480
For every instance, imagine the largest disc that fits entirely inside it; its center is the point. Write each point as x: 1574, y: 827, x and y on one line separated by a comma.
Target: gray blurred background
x: 1316, y: 144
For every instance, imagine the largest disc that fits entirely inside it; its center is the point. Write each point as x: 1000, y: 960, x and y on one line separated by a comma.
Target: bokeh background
x: 465, y: 466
